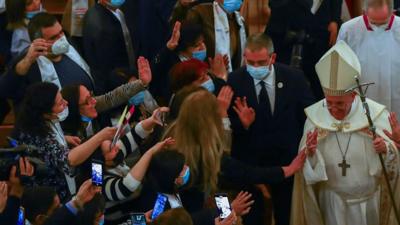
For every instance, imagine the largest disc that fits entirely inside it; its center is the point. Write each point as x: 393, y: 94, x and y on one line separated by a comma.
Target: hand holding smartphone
x: 223, y: 205
x: 97, y: 173
x: 159, y: 206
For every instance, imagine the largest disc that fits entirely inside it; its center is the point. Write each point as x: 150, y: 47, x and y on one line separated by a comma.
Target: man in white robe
x: 375, y: 38
x: 342, y: 181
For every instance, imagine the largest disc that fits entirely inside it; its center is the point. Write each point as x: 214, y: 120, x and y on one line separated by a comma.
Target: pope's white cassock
x: 377, y: 48
x: 342, y: 183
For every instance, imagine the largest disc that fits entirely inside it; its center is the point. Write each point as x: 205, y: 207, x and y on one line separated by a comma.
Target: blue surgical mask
x: 116, y: 3
x: 232, y: 5
x: 86, y: 119
x: 186, y: 176
x: 137, y: 99
x: 200, y: 55
x: 258, y: 73
x: 209, y: 85
x: 31, y: 14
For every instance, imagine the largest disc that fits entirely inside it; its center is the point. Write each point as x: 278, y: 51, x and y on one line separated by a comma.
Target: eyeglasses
x: 90, y: 100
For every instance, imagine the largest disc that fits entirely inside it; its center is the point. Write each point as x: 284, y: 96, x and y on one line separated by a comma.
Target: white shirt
x: 2, y: 6
x: 269, y: 85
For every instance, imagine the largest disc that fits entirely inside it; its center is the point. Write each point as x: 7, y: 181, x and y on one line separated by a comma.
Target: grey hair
x: 260, y: 40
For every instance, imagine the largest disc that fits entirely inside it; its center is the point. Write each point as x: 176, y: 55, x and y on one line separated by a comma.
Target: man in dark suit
x: 269, y: 118
x: 107, y: 42
x: 311, y: 24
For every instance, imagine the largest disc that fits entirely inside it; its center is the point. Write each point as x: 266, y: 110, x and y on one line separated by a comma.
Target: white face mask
x: 61, y: 46
x: 63, y: 115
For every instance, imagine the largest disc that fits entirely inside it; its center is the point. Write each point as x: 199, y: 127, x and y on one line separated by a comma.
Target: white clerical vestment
x: 344, y: 185
x: 377, y: 48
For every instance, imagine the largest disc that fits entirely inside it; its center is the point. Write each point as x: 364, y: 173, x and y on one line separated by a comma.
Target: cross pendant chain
x: 344, y: 166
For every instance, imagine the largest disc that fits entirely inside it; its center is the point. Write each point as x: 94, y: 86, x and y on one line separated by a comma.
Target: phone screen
x: 222, y: 202
x: 159, y: 206
x: 138, y: 219
x: 21, y: 216
x: 97, y: 173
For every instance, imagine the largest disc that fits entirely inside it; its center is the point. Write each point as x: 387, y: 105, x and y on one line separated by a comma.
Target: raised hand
x: 144, y: 70
x: 176, y: 35
x: 246, y: 114
x: 224, y: 100
x: 158, y: 116
x: 296, y: 165
x: 242, y: 203
x: 311, y: 142
x: 85, y: 193
x: 25, y: 169
x: 162, y: 144
x: 218, y: 66
x: 394, y: 124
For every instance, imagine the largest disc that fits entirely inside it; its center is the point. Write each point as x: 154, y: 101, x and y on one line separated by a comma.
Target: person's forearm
x: 148, y: 124
x: 23, y: 66
x: 80, y: 153
x: 139, y: 170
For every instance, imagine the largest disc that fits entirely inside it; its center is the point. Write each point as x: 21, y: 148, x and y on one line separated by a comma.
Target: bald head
x: 379, y: 11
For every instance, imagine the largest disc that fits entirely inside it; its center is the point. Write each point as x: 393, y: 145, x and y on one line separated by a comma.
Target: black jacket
x: 103, y: 44
x: 272, y: 140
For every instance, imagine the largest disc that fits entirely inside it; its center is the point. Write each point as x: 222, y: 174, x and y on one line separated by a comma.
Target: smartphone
x: 138, y: 219
x: 97, y: 173
x: 21, y: 216
x: 162, y: 116
x: 222, y: 202
x: 159, y: 206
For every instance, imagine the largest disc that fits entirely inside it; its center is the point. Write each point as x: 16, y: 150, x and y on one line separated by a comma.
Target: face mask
x: 137, y: 99
x: 31, y: 14
x: 232, y: 5
x: 63, y: 115
x: 259, y: 72
x: 119, y: 158
x: 61, y: 46
x: 209, y: 85
x: 200, y: 55
x: 116, y: 3
x: 86, y: 119
x: 185, y: 178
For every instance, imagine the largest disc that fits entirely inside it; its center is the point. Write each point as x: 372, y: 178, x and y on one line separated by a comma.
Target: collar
x: 270, y: 79
x: 319, y: 115
x: 369, y: 26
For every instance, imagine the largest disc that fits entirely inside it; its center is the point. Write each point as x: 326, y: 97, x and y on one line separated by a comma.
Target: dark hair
x: 16, y: 13
x: 37, y: 200
x: 39, y: 100
x: 171, y: 163
x: 185, y: 73
x: 91, y: 209
x: 190, y: 34
x: 177, y: 216
x: 39, y: 21
x: 178, y: 99
x: 71, y: 124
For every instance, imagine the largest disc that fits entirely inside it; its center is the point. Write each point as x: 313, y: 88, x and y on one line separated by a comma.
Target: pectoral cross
x: 344, y: 167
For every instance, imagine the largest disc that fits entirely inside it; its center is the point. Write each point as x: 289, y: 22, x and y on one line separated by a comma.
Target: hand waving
x: 246, y: 114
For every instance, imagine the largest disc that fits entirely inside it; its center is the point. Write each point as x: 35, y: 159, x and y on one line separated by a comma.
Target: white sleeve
x: 141, y: 131
x: 314, y: 169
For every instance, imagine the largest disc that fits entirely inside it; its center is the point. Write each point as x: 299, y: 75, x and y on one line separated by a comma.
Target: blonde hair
x: 199, y: 135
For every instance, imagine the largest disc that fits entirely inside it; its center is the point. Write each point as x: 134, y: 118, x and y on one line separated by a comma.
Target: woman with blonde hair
x: 202, y: 134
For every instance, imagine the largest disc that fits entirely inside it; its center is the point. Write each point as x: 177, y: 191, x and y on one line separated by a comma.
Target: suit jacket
x: 103, y: 45
x: 272, y: 140
x: 296, y: 15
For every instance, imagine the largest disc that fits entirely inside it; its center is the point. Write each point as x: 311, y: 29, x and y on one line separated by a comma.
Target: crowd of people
x: 145, y: 112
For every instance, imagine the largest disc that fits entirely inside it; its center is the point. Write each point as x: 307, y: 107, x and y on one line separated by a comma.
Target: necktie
x: 128, y: 41
x: 263, y: 99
